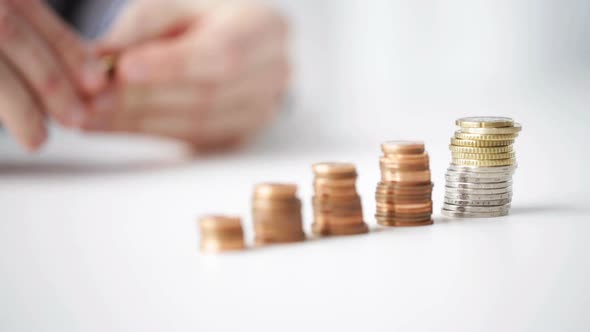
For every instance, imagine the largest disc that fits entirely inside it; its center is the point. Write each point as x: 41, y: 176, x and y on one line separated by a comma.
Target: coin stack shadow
x: 479, y: 179
x: 336, y: 204
x: 221, y: 233
x: 276, y: 212
x: 404, y: 195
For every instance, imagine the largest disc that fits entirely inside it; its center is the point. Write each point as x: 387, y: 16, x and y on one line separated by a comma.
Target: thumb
x: 142, y: 21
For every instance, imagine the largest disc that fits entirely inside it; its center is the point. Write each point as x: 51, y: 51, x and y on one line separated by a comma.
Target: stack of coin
x: 276, y: 212
x: 221, y: 233
x: 336, y: 203
x: 404, y: 195
x: 479, y: 180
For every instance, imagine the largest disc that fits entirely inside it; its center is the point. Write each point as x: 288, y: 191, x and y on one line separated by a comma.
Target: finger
x: 200, y: 100
x: 19, y: 112
x: 218, y: 50
x: 142, y: 21
x: 37, y: 66
x: 81, y: 65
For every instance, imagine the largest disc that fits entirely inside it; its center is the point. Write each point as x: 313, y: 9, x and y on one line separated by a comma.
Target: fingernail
x: 94, y: 74
x: 105, y: 102
x: 133, y: 72
x: 77, y: 114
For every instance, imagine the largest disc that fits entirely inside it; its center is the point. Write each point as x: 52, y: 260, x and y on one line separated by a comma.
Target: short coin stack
x: 336, y: 203
x: 404, y: 195
x: 276, y: 212
x: 479, y: 179
x: 221, y: 233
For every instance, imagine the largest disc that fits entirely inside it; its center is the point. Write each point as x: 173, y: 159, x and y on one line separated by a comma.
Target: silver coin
x: 451, y: 172
x: 476, y: 169
x: 478, y: 209
x: 463, y: 202
x: 478, y: 191
x: 484, y: 197
x: 477, y: 180
x: 465, y: 185
x: 455, y: 214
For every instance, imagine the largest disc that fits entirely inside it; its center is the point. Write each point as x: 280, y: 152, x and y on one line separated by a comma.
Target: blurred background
x: 102, y: 226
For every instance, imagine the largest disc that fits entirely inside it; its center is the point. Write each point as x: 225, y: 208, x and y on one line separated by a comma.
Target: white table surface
x: 98, y: 233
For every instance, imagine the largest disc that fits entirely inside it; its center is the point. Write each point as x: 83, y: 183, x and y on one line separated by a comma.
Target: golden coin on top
x: 336, y: 203
x: 221, y: 233
x: 276, y: 212
x: 404, y: 195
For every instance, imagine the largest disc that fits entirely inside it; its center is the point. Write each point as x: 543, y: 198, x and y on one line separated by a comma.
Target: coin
x: 473, y: 169
x: 474, y: 214
x: 476, y: 143
x: 493, y: 131
x: 484, y: 163
x: 466, y: 179
x: 483, y: 137
x: 478, y: 197
x: 478, y: 191
x: 269, y: 190
x: 483, y: 150
x: 480, y: 156
x: 463, y: 202
x: 335, y: 169
x: 221, y: 233
x: 406, y: 176
x: 467, y: 185
x: 330, y: 230
x: 402, y: 147
x: 478, y: 209
x: 485, y: 122
x: 478, y: 175
x: 402, y: 223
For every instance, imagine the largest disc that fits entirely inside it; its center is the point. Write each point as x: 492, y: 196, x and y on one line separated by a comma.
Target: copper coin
x: 334, y: 169
x: 213, y: 246
x: 220, y: 223
x: 398, y: 223
x: 276, y: 190
x: 403, y: 216
x: 407, y: 176
x: 338, y: 220
x: 338, y: 182
x: 402, y: 147
x: 264, y: 239
x: 411, y: 207
x: 325, y: 230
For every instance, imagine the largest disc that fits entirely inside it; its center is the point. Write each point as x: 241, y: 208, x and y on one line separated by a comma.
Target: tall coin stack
x: 276, y: 212
x: 221, y: 233
x: 404, y: 195
x: 479, y: 179
x: 336, y: 203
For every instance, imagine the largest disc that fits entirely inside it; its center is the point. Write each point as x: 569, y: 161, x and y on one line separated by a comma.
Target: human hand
x: 44, y: 70
x: 209, y: 74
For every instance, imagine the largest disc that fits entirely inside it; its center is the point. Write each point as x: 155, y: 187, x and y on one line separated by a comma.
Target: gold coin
x: 493, y: 131
x: 481, y: 156
x: 485, y: 122
x: 476, y: 143
x: 468, y: 149
x: 484, y: 163
x: 482, y: 137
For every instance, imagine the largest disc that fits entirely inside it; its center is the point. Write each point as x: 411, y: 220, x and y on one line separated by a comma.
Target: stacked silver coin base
x: 483, y: 192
